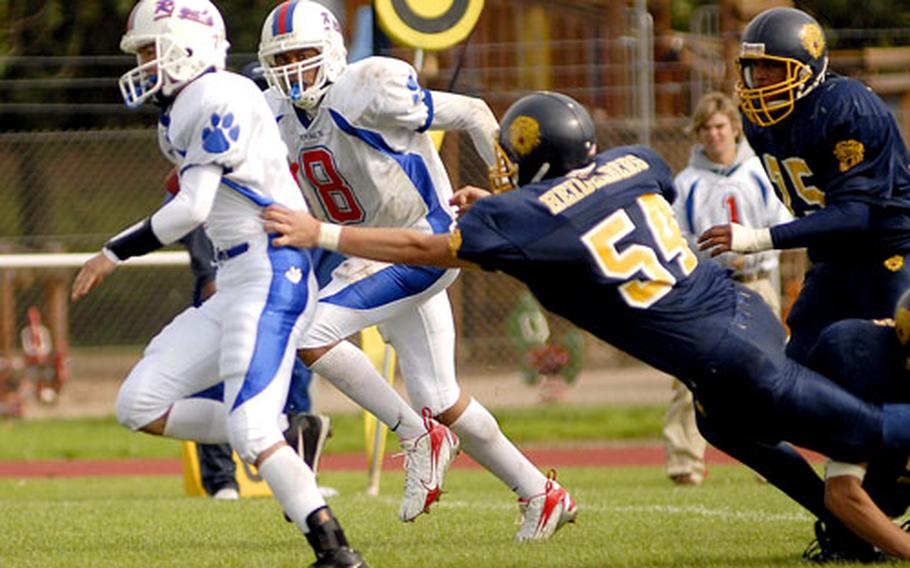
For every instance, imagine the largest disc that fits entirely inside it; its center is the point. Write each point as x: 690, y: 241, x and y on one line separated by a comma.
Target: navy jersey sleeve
x: 844, y: 218
x: 859, y: 139
x: 484, y: 240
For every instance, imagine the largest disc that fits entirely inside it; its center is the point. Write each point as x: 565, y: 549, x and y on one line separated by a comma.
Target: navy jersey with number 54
x: 602, y: 248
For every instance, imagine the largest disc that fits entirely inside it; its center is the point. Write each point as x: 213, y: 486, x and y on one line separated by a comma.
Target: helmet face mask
x: 188, y: 38
x: 292, y: 27
x: 290, y: 79
x: 543, y: 135
x: 504, y: 173
x: 788, y: 38
x: 769, y: 104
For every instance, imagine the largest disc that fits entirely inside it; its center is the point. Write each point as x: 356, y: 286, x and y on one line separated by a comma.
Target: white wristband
x: 745, y: 239
x: 329, y: 236
x: 839, y: 469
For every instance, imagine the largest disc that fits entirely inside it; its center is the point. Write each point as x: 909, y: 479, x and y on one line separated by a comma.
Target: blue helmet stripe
x: 289, y: 18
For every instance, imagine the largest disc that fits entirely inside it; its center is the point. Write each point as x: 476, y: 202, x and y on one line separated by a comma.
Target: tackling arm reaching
x: 400, y: 246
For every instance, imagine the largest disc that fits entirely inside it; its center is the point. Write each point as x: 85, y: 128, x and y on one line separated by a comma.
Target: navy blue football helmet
x: 253, y: 70
x: 787, y: 37
x: 542, y: 135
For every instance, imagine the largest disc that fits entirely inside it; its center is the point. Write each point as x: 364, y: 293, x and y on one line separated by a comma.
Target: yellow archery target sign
x: 428, y: 24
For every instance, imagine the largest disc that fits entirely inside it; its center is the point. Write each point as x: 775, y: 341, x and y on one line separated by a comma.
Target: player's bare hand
x: 91, y: 274
x: 718, y: 239
x: 465, y: 197
x: 296, y: 228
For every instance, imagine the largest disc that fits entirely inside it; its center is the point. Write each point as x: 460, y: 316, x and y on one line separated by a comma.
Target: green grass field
x: 628, y: 516
x: 103, y: 438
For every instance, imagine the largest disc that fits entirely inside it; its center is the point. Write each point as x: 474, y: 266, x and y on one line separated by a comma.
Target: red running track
x: 598, y: 456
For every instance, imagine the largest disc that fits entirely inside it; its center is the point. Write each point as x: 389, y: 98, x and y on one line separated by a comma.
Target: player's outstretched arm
x: 846, y: 498
x: 399, y: 246
x: 465, y: 197
x: 91, y: 274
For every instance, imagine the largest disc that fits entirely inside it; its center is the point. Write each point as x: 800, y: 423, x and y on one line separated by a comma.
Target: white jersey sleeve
x: 218, y: 132
x: 221, y: 123
x: 389, y: 95
x: 385, y: 94
x: 190, y: 207
x: 473, y: 115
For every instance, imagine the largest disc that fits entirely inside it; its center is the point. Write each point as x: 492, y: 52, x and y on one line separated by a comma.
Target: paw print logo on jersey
x: 215, y: 139
x: 294, y: 275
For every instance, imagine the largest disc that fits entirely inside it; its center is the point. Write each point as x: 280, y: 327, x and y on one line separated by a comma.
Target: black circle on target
x: 428, y: 24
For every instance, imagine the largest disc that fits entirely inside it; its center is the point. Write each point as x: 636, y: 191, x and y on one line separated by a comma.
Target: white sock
x: 349, y: 369
x: 199, y: 419
x: 293, y: 484
x: 482, y: 439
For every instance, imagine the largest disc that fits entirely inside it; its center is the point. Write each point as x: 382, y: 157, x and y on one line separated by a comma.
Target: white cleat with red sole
x: 426, y: 460
x: 544, y: 514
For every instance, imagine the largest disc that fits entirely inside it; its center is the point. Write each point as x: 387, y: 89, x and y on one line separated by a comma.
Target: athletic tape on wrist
x: 329, y: 236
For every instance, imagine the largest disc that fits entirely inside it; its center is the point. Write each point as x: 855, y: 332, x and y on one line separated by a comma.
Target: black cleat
x: 838, y: 545
x: 307, y: 434
x: 344, y: 557
x: 329, y: 543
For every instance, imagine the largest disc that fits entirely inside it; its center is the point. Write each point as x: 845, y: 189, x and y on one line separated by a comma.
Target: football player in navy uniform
x: 835, y: 155
x: 870, y: 359
x: 594, y: 238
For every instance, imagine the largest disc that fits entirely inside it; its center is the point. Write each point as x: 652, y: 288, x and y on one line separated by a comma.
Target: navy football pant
x: 778, y: 462
x: 757, y: 393
x: 836, y: 291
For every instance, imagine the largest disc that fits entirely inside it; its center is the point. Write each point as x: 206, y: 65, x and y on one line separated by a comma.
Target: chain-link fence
x: 68, y: 191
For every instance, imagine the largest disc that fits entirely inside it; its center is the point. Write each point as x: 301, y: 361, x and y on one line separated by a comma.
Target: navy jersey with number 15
x: 602, y: 248
x: 841, y: 144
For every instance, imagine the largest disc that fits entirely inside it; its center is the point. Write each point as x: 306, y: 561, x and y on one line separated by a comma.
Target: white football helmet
x: 299, y: 24
x: 189, y: 39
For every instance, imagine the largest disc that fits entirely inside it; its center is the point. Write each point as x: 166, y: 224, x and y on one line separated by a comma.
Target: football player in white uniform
x: 358, y: 134
x: 217, y: 128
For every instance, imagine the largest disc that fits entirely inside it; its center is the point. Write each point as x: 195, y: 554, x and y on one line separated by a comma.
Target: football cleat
x: 545, y: 513
x: 343, y: 557
x: 836, y: 545
x: 307, y: 434
x: 226, y: 494
x: 426, y: 460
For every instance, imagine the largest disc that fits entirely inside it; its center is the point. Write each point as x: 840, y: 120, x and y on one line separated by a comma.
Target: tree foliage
x: 94, y: 27
x: 868, y: 15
